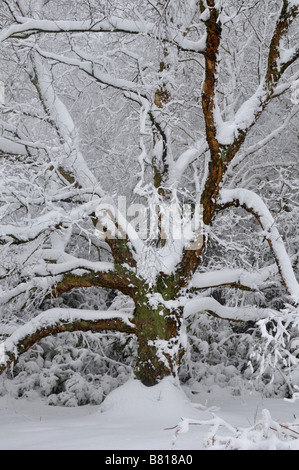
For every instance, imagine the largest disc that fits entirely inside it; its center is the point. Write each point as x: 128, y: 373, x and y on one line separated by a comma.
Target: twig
x: 289, y: 429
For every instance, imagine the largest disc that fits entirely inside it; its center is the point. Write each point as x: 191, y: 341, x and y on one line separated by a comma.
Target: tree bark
x: 22, y: 340
x: 159, y: 344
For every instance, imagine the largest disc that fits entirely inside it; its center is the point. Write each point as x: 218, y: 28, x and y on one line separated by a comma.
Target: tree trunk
x: 159, y: 337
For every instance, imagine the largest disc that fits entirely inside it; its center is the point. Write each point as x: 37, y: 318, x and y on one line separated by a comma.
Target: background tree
x: 163, y: 103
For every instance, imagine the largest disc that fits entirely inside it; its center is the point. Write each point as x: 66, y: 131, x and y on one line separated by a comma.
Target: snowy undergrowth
x: 80, y: 369
x: 74, y: 370
x: 266, y: 434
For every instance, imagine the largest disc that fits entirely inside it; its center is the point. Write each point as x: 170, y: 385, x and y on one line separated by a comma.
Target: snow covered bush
x: 72, y: 371
x: 76, y: 368
x: 266, y: 434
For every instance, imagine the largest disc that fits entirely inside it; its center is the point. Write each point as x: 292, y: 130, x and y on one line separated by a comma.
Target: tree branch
x: 223, y: 150
x: 58, y: 320
x: 214, y: 308
x: 192, y: 258
x: 29, y: 26
x: 253, y: 204
x: 239, y: 278
x: 276, y: 64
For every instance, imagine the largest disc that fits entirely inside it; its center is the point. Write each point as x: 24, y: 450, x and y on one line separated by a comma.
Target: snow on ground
x: 136, y: 417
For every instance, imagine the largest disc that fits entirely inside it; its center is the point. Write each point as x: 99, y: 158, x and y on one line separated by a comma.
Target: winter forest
x: 149, y: 213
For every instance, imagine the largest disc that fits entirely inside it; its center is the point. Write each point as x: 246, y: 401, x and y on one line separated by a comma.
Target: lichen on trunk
x: 159, y: 339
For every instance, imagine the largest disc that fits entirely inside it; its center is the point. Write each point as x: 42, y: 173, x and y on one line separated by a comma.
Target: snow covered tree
x: 151, y: 110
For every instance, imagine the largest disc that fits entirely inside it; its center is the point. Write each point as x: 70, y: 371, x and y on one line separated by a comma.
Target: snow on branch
x: 265, y: 434
x: 60, y: 320
x: 24, y: 233
x: 245, y: 117
x: 279, y: 59
x: 12, y: 148
x: 187, y: 157
x: 279, y: 90
x: 237, y: 313
x: 68, y: 263
x: 257, y: 146
x: 74, y: 163
x: 64, y: 277
x: 232, y: 277
x: 251, y: 202
x: 23, y: 288
x: 29, y: 25
x: 288, y: 56
x: 92, y: 69
x: 110, y: 25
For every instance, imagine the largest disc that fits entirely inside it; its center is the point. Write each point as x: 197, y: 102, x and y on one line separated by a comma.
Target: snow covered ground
x: 135, y: 417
